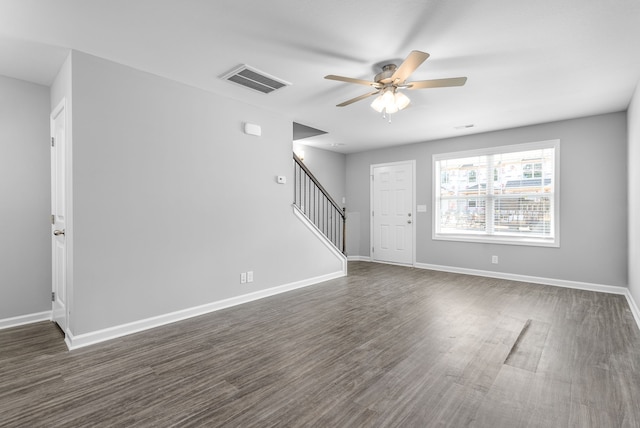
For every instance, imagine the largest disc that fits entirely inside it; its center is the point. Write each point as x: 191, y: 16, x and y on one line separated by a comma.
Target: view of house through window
x: 503, y: 194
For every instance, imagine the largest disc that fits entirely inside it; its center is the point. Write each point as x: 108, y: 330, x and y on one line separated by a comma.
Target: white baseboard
x: 359, y: 258
x: 612, y: 289
x: 86, y: 339
x: 25, y: 319
x: 633, y: 306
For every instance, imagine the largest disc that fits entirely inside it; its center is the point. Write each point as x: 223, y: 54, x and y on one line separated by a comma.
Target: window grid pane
x: 523, y: 215
x: 463, y: 214
x: 508, y: 194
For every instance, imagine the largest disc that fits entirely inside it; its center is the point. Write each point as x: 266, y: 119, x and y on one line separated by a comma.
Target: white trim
x: 633, y: 306
x: 25, y: 319
x: 318, y: 234
x: 62, y: 105
x: 86, y: 339
x: 359, y: 258
x: 600, y: 288
x: 611, y: 289
x: 392, y: 263
x: 411, y: 162
x: 497, y: 238
x: 60, y: 108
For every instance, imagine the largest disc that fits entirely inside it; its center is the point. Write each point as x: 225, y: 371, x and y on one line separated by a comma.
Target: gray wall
x: 328, y: 167
x: 593, y: 203
x: 633, y: 118
x: 25, y: 247
x: 171, y: 201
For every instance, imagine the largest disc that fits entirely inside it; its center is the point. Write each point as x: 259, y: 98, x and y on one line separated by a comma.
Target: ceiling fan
x: 391, y: 80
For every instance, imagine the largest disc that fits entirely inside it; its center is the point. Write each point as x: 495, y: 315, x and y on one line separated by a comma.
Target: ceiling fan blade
x: 437, y: 83
x: 409, y: 65
x: 352, y: 80
x: 356, y: 99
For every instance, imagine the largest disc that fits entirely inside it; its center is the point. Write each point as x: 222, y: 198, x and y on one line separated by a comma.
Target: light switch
x: 282, y: 179
x: 422, y: 208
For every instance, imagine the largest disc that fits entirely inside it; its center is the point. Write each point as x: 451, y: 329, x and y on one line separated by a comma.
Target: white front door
x: 392, y: 212
x: 58, y: 217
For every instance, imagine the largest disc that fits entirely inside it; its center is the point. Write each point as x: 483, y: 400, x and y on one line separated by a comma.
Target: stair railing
x: 318, y: 206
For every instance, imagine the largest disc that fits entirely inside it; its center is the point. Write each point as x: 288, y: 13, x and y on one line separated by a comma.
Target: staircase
x: 315, y: 203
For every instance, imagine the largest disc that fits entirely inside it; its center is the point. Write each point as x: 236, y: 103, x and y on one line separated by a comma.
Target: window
x: 505, y: 195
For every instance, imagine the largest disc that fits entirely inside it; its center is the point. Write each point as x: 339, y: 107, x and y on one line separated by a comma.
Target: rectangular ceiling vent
x: 255, y: 79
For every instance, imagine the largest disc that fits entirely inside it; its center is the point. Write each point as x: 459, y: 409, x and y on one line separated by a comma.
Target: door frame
x: 62, y: 106
x: 413, y: 208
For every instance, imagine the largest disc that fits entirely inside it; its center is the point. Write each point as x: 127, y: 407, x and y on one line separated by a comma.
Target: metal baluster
x: 314, y: 201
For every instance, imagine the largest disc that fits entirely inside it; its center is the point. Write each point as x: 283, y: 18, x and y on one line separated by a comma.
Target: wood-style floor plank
x: 387, y: 346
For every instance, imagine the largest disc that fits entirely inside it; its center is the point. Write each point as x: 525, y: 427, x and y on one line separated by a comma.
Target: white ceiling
x: 526, y: 61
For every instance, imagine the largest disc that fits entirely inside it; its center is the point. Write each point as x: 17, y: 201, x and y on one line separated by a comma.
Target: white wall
x: 593, y: 203
x: 25, y: 246
x: 172, y: 201
x: 633, y: 120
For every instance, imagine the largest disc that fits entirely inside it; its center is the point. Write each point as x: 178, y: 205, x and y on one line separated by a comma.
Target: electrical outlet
x: 243, y: 278
x: 250, y: 276
x: 494, y: 260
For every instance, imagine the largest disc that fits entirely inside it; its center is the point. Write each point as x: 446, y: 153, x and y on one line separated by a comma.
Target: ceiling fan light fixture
x: 401, y: 100
x: 378, y: 104
x: 390, y: 101
x: 391, y: 108
x: 387, y: 98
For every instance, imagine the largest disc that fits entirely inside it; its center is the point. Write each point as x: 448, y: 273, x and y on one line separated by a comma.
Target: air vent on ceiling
x: 255, y: 79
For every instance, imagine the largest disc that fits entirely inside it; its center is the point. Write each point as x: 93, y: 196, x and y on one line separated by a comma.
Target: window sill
x: 501, y: 240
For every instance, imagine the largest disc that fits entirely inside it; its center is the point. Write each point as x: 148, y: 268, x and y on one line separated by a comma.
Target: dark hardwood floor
x: 386, y: 346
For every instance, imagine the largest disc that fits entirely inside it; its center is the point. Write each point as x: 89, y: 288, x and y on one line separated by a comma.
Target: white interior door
x: 392, y: 212
x: 58, y: 217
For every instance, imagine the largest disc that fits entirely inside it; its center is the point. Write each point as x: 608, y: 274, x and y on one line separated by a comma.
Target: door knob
x: 58, y: 232
x: 408, y: 221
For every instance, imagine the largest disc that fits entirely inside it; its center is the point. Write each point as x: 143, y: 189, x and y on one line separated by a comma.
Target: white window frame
x: 486, y: 237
